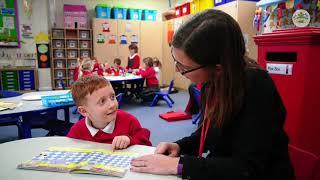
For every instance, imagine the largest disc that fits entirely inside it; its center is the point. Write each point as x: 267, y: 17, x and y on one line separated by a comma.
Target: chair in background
x: 61, y: 82
x: 163, y: 95
x: 304, y: 163
x: 119, y: 99
x: 135, y: 88
x: 11, y: 121
x: 197, y: 97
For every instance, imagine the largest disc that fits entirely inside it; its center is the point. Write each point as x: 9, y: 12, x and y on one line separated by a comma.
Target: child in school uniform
x: 151, y: 80
x: 157, y: 68
x: 106, y: 69
x: 77, y: 69
x: 103, y: 122
x: 117, y: 69
x: 97, y: 67
x: 85, y: 68
x: 134, y: 58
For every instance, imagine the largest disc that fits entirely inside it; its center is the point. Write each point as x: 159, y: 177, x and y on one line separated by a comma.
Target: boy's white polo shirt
x: 93, y: 131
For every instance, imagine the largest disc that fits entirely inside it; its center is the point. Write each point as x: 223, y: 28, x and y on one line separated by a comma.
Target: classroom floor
x: 161, y: 130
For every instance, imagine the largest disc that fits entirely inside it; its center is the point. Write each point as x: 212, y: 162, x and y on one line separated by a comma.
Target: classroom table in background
x: 30, y: 104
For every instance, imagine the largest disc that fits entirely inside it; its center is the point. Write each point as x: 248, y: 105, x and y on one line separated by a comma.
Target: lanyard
x: 204, y: 132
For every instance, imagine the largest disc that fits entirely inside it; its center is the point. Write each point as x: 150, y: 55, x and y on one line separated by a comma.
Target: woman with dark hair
x: 241, y: 135
x: 133, y: 59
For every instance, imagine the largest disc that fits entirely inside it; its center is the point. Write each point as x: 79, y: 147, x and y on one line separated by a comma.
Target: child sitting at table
x: 97, y: 67
x: 157, y: 68
x: 85, y: 68
x: 117, y: 69
x: 106, y: 69
x: 151, y: 80
x: 103, y: 122
x: 77, y: 69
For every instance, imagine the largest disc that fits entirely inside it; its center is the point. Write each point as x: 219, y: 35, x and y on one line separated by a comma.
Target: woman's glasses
x: 181, y: 68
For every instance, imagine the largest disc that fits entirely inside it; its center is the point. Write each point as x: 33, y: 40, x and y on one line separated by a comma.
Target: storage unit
x: 18, y: 79
x: 103, y: 11
x: 26, y: 80
x: 75, y: 43
x: 135, y: 14
x: 206, y: 4
x: 221, y: 2
x: 194, y: 6
x: 149, y: 15
x: 178, y: 11
x: 292, y: 59
x: 75, y: 16
x: 185, y: 10
x: 119, y: 12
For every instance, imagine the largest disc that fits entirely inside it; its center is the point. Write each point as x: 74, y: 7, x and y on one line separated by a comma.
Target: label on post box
x: 285, y: 69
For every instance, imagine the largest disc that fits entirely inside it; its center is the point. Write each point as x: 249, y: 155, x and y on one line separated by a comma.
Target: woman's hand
x: 170, y: 149
x: 155, y: 164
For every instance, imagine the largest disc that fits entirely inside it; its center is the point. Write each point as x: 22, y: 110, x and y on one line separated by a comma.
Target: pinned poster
x: 123, y: 39
x: 2, y: 3
x: 43, y: 55
x: 134, y: 39
x: 26, y: 31
x: 112, y: 39
x: 100, y: 38
x: 105, y: 27
x: 128, y: 27
x: 8, y: 22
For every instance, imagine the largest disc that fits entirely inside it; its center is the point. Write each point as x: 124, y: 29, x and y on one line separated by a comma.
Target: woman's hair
x: 134, y: 47
x: 214, y: 38
x: 148, y: 61
x: 157, y: 62
x: 117, y: 61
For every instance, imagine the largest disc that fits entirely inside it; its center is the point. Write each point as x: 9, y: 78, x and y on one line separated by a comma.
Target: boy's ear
x: 82, y: 110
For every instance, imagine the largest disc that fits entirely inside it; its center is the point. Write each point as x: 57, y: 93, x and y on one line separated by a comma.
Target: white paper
x: 284, y: 69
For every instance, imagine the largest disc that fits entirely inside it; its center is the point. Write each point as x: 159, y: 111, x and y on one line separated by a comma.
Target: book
x: 78, y: 160
x: 5, y: 105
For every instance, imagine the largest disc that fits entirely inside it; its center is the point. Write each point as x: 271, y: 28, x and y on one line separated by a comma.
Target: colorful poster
x: 123, y: 39
x: 134, y: 39
x: 112, y: 39
x: 8, y: 22
x: 100, y: 38
x: 43, y: 55
x: 105, y: 27
x: 128, y: 27
x: 9, y: 29
x: 26, y: 31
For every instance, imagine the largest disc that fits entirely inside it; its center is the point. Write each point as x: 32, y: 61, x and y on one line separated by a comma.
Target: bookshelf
x: 66, y: 46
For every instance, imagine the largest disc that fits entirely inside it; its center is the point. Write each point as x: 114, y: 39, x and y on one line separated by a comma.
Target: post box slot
x: 282, y: 56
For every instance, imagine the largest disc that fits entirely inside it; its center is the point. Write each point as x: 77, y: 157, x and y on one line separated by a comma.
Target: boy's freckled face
x: 101, y: 107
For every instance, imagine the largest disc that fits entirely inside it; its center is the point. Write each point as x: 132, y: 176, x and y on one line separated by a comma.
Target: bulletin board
x: 9, y: 32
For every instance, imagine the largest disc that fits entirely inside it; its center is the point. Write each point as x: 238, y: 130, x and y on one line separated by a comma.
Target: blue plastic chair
x: 11, y: 121
x: 119, y: 99
x: 163, y: 95
x: 197, y: 97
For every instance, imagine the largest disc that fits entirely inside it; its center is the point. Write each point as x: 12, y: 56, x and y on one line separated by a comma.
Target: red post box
x: 292, y: 58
